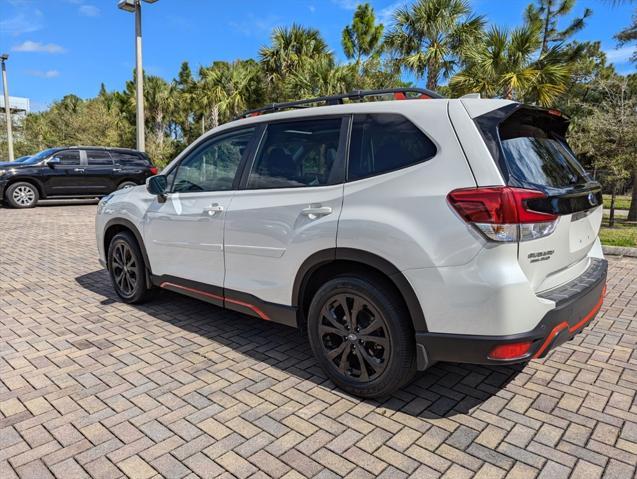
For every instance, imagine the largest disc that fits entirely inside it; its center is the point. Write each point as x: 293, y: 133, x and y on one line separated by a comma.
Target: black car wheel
x: 127, y: 269
x: 361, y: 335
x: 22, y: 195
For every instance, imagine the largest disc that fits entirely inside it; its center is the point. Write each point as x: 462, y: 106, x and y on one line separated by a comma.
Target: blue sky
x: 58, y: 47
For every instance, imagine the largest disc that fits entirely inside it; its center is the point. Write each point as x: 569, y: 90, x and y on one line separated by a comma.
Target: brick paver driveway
x: 178, y: 388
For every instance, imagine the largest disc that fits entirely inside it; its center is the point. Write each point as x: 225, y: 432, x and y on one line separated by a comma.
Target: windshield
x: 536, y: 152
x: 39, y: 156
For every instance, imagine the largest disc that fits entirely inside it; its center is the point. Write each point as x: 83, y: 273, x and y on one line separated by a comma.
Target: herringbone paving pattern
x: 91, y: 387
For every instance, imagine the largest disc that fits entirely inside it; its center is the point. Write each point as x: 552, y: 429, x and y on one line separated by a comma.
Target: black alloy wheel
x: 362, y: 335
x: 127, y: 269
x: 354, y: 337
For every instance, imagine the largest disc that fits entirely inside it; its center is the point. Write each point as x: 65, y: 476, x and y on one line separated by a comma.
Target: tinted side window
x: 213, y: 166
x: 296, y: 153
x: 68, y: 157
x: 128, y: 159
x: 97, y: 157
x: 385, y: 142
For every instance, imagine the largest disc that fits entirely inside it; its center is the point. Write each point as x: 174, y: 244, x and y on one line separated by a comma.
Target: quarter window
x: 385, y: 142
x: 97, y: 157
x: 296, y: 154
x: 213, y: 166
x: 128, y: 159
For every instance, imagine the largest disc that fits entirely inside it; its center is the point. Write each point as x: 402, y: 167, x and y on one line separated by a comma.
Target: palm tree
x: 503, y: 64
x: 430, y: 37
x: 320, y: 77
x: 159, y: 101
x: 289, y: 49
x: 225, y: 90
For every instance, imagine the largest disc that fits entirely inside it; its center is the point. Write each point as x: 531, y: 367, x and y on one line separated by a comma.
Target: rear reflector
x: 510, y: 351
x: 153, y: 170
x: 501, y: 213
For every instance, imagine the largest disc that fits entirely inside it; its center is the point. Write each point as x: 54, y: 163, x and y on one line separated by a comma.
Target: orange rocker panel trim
x: 252, y: 307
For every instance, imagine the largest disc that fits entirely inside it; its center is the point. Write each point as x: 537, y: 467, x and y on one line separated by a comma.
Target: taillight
x: 510, y: 351
x: 153, y: 170
x: 501, y: 213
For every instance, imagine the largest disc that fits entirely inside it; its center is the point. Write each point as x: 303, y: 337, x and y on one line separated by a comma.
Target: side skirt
x: 229, y: 299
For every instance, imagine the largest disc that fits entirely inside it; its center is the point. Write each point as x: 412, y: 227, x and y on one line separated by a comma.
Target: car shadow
x: 444, y: 390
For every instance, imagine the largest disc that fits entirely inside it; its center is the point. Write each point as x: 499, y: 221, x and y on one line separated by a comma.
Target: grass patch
x: 619, y: 235
x: 621, y: 202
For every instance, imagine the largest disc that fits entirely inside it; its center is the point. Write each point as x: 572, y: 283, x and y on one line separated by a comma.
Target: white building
x: 19, y: 106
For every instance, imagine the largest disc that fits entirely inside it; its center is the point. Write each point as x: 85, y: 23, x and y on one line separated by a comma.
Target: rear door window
x: 536, y: 153
x: 297, y: 154
x: 385, y: 142
x: 98, y: 158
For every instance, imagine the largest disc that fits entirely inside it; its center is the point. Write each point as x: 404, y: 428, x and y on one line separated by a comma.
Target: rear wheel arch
x: 327, y: 264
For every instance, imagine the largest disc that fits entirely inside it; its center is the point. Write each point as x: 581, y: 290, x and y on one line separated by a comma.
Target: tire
x: 388, y: 354
x: 22, y: 195
x: 126, y: 184
x: 127, y: 269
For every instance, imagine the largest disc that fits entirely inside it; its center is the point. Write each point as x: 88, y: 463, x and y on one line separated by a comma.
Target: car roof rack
x: 356, y: 95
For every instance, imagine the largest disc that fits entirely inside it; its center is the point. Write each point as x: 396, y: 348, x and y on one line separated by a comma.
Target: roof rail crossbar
x: 398, y: 94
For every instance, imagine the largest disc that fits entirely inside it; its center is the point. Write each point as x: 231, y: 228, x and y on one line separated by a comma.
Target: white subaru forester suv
x: 395, y: 233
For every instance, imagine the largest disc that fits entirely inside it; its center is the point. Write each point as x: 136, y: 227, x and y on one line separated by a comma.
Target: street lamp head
x: 4, y: 57
x: 127, y: 5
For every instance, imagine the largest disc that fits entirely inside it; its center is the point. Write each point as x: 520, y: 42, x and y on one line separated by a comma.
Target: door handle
x: 116, y: 170
x: 314, y: 212
x: 79, y: 170
x: 213, y: 209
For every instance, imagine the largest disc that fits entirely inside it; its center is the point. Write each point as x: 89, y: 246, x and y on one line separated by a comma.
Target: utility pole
x: 141, y: 137
x: 7, y: 108
x: 136, y: 7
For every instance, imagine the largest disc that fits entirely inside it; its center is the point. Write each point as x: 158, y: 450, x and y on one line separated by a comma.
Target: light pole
x: 7, y: 108
x: 136, y: 7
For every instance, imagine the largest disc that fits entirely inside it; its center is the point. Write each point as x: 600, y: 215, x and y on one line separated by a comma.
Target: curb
x: 620, y: 251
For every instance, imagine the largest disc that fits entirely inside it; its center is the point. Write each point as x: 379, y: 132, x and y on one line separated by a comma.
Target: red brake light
x: 153, y: 170
x: 497, y: 205
x: 510, y: 351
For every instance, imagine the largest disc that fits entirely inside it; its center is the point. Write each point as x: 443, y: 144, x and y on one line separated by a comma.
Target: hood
x: 10, y: 165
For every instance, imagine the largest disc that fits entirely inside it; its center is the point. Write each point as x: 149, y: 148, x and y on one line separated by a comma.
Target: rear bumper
x: 576, y: 304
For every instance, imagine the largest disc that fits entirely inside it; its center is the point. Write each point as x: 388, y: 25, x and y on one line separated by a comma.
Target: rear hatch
x: 530, y: 148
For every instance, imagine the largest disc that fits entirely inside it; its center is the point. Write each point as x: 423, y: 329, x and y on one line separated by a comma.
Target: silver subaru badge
x: 592, y: 199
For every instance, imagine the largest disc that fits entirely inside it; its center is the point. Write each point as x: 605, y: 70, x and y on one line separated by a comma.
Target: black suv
x: 72, y: 172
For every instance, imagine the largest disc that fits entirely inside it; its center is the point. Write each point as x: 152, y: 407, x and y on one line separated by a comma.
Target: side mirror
x: 157, y: 185
x: 52, y: 162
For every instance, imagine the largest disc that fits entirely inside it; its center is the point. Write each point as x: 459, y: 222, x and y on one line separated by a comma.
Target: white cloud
x: 89, y: 11
x: 386, y: 15
x: 620, y: 55
x: 252, y: 25
x: 44, y: 73
x: 20, y: 24
x: 30, y: 46
x: 312, y: 8
x: 347, y: 4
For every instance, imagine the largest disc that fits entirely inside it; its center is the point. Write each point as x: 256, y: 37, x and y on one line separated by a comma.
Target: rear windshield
x: 536, y: 152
